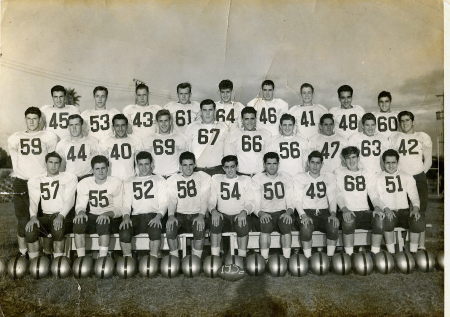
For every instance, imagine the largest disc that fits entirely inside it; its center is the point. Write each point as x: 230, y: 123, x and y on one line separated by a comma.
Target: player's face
x: 307, y: 95
x: 390, y: 164
x: 267, y: 92
x: 385, y: 104
x: 315, y: 165
x: 32, y: 122
x: 100, y: 171
x: 187, y: 167
x: 327, y: 127
x: 230, y: 169
x: 208, y: 113
x: 225, y: 95
x: 145, y: 168
x: 59, y: 99
x: 53, y: 164
x: 249, y: 122
x: 120, y: 128
x: 369, y: 127
x: 287, y: 127
x: 351, y: 161
x: 100, y: 98
x: 184, y: 95
x: 142, y: 97
x: 271, y: 166
x: 406, y: 124
x: 345, y: 97
x: 164, y: 124
x: 75, y: 127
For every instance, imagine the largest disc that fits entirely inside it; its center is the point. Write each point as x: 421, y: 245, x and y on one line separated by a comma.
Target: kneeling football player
x: 351, y: 195
x: 230, y: 204
x: 274, y: 204
x: 102, y: 194
x: 145, y: 198
x: 188, y: 193
x: 56, y: 193
x: 392, y: 192
x: 316, y: 204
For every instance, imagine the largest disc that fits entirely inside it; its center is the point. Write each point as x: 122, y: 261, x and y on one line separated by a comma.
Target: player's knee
x: 125, y: 235
x: 348, y: 227
x: 21, y: 224
x: 58, y: 235
x: 103, y: 229
x: 306, y: 232
x: 216, y: 229
x: 266, y: 227
x: 389, y: 225
x: 32, y: 236
x: 198, y: 234
x: 332, y: 232
x: 242, y: 231
x: 416, y: 226
x: 284, y: 227
x: 79, y: 228
x: 154, y: 234
x: 171, y: 233
x: 377, y: 225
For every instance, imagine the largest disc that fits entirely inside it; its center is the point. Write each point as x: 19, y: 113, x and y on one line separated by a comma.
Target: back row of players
x: 266, y: 131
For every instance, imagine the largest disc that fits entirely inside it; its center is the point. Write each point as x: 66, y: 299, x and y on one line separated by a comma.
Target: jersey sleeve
x: 162, y: 197
x: 331, y: 192
x: 34, y: 194
x: 171, y: 195
x: 215, y: 192
x: 298, y: 188
x: 205, y: 192
x: 249, y: 197
x: 82, y: 196
x: 127, y: 199
x: 69, y: 194
x: 290, y: 196
x: 411, y: 189
x: 256, y: 194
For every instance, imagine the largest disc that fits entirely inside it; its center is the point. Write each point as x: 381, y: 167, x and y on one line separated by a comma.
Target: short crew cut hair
x: 350, y: 150
x: 286, y: 117
x: 207, y: 102
x: 315, y: 154
x: 99, y: 159
x: 229, y: 158
x: 226, y: 84
x: 100, y: 88
x: 162, y: 112
x: 345, y: 88
x: 144, y: 155
x: 119, y: 116
x: 33, y: 110
x: 76, y: 116
x: 385, y: 94
x: 368, y: 116
x: 184, y: 86
x: 248, y: 110
x: 142, y: 86
x: 390, y: 152
x: 405, y: 113
x: 187, y: 156
x: 271, y: 155
x: 306, y: 85
x: 58, y: 88
x: 268, y: 82
x: 53, y: 154
x: 326, y: 116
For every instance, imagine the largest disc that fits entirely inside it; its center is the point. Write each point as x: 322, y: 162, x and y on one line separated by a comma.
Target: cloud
x: 430, y: 83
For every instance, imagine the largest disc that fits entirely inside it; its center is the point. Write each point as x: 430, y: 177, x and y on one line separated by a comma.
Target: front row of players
x: 227, y: 202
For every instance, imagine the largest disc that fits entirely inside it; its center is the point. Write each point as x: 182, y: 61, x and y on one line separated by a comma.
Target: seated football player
x: 249, y: 144
x: 231, y: 204
x: 102, y: 194
x: 145, y: 198
x: 351, y: 195
x: 188, y: 195
x: 391, y: 194
x: 274, y: 205
x: 184, y: 111
x: 227, y: 110
x: 315, y: 194
x: 55, y: 192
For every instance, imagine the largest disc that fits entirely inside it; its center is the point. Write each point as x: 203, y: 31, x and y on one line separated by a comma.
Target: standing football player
x: 55, y: 192
x: 315, y: 194
x: 269, y: 108
x: 189, y: 193
x: 230, y: 203
x: 99, y: 120
x: 227, y: 110
x: 142, y: 115
x: 249, y: 144
x: 392, y: 193
x: 28, y: 150
x: 352, y: 185
x: 145, y: 198
x: 274, y: 205
x: 387, y: 121
x: 206, y: 139
x: 307, y: 114
x: 184, y: 111
x: 347, y: 116
x: 415, y: 149
x: 56, y: 116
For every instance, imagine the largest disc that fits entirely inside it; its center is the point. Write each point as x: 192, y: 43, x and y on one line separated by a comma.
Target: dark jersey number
x: 60, y: 119
x: 385, y: 124
x: 96, y: 125
x: 354, y: 183
x: 352, y: 123
x: 330, y: 147
x: 220, y: 115
x: 146, y: 121
x: 412, y: 143
x: 225, y: 192
x: 164, y: 147
x: 49, y: 190
x: 81, y: 155
x: 33, y: 146
x: 368, y: 150
x: 186, y: 189
x: 289, y: 150
x: 123, y: 151
x: 307, y: 119
x: 251, y: 143
x: 180, y: 117
x: 393, y: 184
x: 142, y: 189
x: 269, y: 115
x: 204, y: 134
x: 98, y: 198
x: 319, y: 190
x: 272, y: 190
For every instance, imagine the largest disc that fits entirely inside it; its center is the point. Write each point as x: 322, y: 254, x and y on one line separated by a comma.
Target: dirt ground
x: 416, y: 294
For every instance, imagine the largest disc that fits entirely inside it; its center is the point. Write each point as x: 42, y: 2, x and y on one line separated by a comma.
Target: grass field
x: 416, y: 294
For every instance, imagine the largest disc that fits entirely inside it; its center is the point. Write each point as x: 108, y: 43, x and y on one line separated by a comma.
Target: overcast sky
x: 370, y: 45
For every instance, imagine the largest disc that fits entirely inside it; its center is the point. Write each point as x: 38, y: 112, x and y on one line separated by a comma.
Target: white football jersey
x: 387, y: 122
x: 371, y: 148
x: 411, y: 148
x: 307, y: 119
x: 77, y: 154
x: 142, y: 119
x: 229, y: 113
x: 352, y: 189
x: 273, y: 194
x: 182, y: 115
x: 189, y: 195
x: 330, y: 147
x: 28, y: 151
x: 231, y: 195
x: 145, y: 194
x: 99, y: 122
x: 293, y: 152
x: 55, y: 193
x: 207, y: 141
x: 57, y: 119
x: 315, y: 193
x: 269, y: 113
x: 347, y: 120
x: 100, y: 197
x: 249, y: 147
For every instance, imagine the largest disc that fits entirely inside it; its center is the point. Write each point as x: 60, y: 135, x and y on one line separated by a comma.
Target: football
x: 126, y: 266
x: 384, y: 262
x: 404, y: 261
x: 148, y: 266
x: 319, y: 263
x: 104, y: 267
x: 362, y: 263
x: 39, y: 267
x: 61, y: 267
x: 298, y: 265
x: 425, y: 261
x: 170, y: 266
x: 341, y: 263
x: 440, y: 260
x: 82, y: 266
x: 17, y: 267
x: 191, y: 265
x: 212, y: 265
x: 234, y: 259
x: 255, y: 264
x: 277, y: 265
x: 231, y: 272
